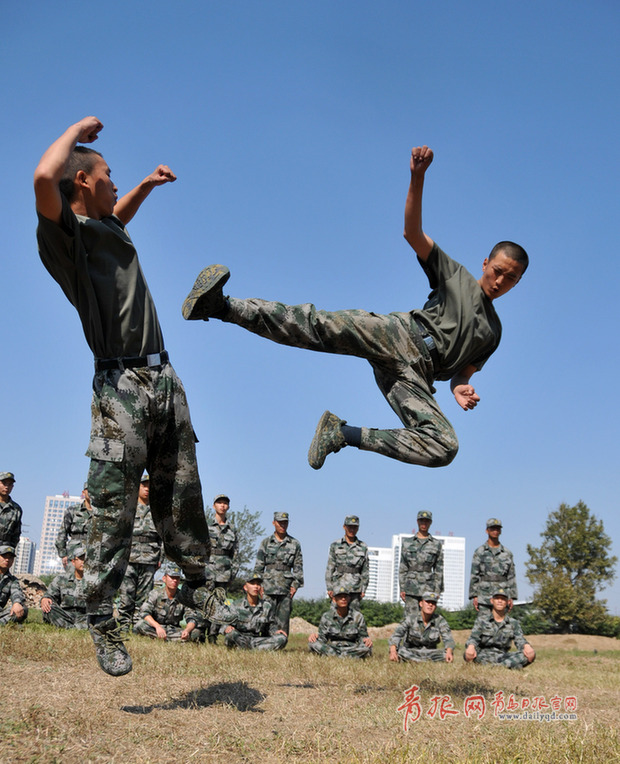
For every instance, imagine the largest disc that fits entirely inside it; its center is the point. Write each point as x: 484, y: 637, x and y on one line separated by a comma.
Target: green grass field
x: 192, y: 703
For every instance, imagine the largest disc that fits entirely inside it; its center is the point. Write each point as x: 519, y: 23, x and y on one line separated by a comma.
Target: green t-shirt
x: 96, y: 265
x: 458, y: 316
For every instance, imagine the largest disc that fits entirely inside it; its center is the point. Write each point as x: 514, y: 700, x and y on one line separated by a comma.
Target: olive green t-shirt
x: 97, y: 267
x: 458, y: 316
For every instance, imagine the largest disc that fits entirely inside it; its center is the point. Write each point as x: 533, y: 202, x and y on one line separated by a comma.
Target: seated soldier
x: 342, y: 631
x: 417, y: 636
x: 254, y: 627
x: 493, y: 633
x: 10, y: 589
x: 162, y: 614
x: 64, y: 603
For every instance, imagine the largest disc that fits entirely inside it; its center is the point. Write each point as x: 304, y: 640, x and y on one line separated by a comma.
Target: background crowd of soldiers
x: 261, y: 620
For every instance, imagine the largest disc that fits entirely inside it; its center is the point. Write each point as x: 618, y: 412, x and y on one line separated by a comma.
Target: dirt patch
x: 300, y: 626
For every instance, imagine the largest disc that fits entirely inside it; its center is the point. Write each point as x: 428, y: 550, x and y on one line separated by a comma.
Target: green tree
x: 569, y: 567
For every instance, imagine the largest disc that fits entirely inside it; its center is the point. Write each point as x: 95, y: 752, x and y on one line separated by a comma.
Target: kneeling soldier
x: 417, y: 636
x: 342, y: 631
x: 64, y: 603
x: 254, y: 627
x: 162, y: 613
x: 10, y: 589
x: 493, y: 634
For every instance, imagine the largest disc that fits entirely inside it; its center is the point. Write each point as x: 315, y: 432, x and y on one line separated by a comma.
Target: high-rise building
x: 24, y: 556
x: 48, y: 560
x: 384, y: 563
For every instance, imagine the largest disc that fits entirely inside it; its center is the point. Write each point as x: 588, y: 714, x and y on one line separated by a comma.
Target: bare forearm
x: 127, y: 206
x: 53, y: 162
x: 413, y: 233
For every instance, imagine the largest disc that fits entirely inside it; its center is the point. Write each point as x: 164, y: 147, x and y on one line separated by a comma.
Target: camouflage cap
x: 78, y: 551
x: 170, y: 568
x: 222, y: 497
x: 145, y: 478
x: 430, y: 596
x: 6, y: 549
x: 492, y: 521
x: 425, y: 515
x: 352, y: 520
x: 7, y: 476
x: 254, y: 577
x: 280, y: 516
x: 500, y: 592
x: 341, y: 590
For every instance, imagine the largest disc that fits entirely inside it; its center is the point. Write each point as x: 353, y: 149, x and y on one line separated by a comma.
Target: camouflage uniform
x: 416, y: 641
x: 280, y: 565
x: 492, y: 640
x: 140, y: 417
x: 421, y: 568
x: 145, y: 556
x: 492, y: 567
x: 458, y: 327
x: 220, y: 568
x: 342, y: 637
x: 254, y: 627
x: 348, y: 567
x: 10, y: 523
x: 73, y: 530
x: 68, y: 602
x: 10, y: 589
x: 168, y: 613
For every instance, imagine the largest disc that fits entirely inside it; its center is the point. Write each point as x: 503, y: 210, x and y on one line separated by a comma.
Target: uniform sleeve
x: 17, y: 595
x: 446, y: 633
x: 149, y: 605
x: 474, y: 577
x: 259, y: 566
x: 438, y: 266
x: 329, y: 570
x: 363, y: 629
x: 365, y: 570
x: 298, y: 568
x: 511, y: 583
x: 53, y: 591
x: 520, y: 640
x: 324, y: 624
x: 476, y: 631
x: 63, y: 532
x: 402, y: 569
x: 399, y: 634
x: 438, y: 587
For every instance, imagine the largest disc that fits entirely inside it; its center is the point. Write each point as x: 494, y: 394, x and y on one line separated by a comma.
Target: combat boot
x: 206, y: 298
x: 328, y: 439
x: 111, y: 652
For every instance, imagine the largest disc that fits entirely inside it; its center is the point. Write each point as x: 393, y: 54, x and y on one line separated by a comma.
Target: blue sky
x: 289, y: 125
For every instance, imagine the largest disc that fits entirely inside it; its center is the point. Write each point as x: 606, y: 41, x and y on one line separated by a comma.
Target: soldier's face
x: 143, y: 492
x: 281, y: 526
x: 221, y: 507
x: 342, y: 600
x: 350, y: 531
x: 494, y: 532
x: 252, y: 588
x: 172, y: 582
x: 6, y: 560
x: 78, y: 563
x: 424, y: 524
x: 6, y: 486
x: 499, y: 602
x: 428, y: 607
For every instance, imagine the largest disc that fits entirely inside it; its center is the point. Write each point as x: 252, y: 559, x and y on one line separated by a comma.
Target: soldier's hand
x: 449, y: 655
x: 529, y: 652
x: 160, y: 175
x: 89, y: 129
x: 46, y: 604
x: 394, y: 654
x: 466, y: 396
x: 403, y: 596
x: 17, y: 610
x: 475, y: 601
x: 161, y: 632
x: 470, y: 653
x: 313, y: 637
x: 421, y: 158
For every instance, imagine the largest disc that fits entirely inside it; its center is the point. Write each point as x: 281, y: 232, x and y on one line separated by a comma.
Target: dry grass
x: 205, y: 704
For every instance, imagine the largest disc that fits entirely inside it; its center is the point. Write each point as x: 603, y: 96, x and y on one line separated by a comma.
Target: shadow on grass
x: 237, y: 694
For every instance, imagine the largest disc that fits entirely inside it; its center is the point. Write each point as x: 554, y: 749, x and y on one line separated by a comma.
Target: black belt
x: 144, y: 539
x: 430, y: 345
x: 133, y: 362
x: 347, y: 569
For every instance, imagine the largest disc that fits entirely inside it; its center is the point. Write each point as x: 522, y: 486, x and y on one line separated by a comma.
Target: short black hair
x: 513, y: 251
x: 81, y: 158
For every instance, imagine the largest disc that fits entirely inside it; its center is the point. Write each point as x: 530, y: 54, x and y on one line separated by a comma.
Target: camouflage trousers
x: 420, y: 654
x: 173, y: 633
x: 281, y: 605
x: 140, y: 420
x: 6, y: 617
x: 412, y: 604
x: 135, y: 588
x: 511, y: 660
x: 394, y: 348
x: 247, y: 642
x: 65, y: 618
x: 340, y: 649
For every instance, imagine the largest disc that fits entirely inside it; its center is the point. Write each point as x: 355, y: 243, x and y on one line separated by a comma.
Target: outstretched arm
x: 127, y: 206
x: 465, y: 395
x: 421, y: 158
x: 52, y: 165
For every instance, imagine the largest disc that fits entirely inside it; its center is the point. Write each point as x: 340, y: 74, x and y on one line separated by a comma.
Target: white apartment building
x: 24, y: 556
x: 47, y: 560
x: 384, y: 563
